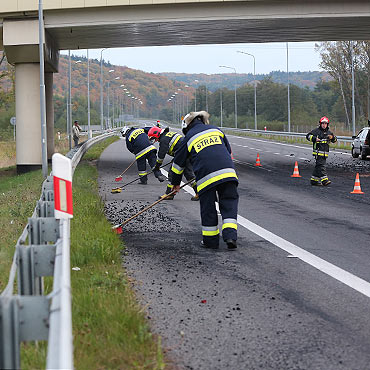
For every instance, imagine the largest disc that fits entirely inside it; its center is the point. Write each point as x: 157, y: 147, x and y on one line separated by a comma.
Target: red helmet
x: 324, y: 120
x: 155, y: 133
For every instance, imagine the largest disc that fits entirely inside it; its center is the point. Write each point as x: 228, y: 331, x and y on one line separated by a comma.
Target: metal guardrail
x: 346, y: 139
x: 43, y: 249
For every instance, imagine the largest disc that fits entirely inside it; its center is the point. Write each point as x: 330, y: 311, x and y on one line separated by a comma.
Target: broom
x: 119, y: 189
x: 119, y: 178
x: 118, y: 228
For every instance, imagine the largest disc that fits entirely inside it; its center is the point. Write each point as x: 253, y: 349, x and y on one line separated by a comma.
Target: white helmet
x: 190, y: 117
x: 124, y: 130
x: 184, y: 124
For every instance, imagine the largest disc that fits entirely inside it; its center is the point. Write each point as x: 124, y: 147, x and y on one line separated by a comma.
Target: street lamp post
x: 70, y: 100
x: 206, y: 93
x: 195, y: 96
x: 88, y: 96
x: 255, y: 87
x: 101, y: 91
x: 108, y: 103
x: 221, y: 106
x: 236, y: 111
x: 287, y: 71
x: 353, y: 92
x: 44, y: 149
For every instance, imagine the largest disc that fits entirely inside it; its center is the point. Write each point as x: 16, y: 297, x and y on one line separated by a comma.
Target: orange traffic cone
x: 357, y: 188
x: 232, y: 157
x: 258, y: 162
x: 296, y: 171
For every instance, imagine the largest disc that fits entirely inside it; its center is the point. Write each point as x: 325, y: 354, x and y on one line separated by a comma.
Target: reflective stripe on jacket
x: 320, y: 148
x: 210, y: 155
x: 138, y: 143
x: 169, y: 142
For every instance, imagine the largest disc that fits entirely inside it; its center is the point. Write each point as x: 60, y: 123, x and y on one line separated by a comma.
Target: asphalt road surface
x: 294, y: 295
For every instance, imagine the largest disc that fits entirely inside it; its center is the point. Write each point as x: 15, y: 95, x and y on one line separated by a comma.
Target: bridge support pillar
x: 27, y: 109
x: 21, y: 44
x: 49, y: 78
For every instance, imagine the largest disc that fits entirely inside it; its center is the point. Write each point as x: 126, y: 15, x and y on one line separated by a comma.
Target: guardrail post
x: 34, y: 262
x: 9, y: 334
x: 43, y: 230
x: 45, y: 208
x: 21, y: 319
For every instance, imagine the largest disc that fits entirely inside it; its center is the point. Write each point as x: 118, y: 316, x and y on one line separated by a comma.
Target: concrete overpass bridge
x: 90, y: 24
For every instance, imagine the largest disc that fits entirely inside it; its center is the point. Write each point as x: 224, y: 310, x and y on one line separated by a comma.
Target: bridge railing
x: 43, y: 249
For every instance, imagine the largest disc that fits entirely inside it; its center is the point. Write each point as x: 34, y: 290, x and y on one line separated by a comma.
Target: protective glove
x: 330, y: 137
x: 156, y: 167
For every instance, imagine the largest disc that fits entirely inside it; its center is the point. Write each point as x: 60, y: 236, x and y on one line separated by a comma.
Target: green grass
x: 18, y: 196
x: 109, y: 327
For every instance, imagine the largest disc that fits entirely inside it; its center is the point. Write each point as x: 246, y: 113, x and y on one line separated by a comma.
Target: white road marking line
x: 272, y: 142
x: 304, y: 159
x: 277, y: 153
x: 328, y: 268
x: 252, y: 165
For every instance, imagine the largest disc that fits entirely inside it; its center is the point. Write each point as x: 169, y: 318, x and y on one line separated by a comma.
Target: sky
x: 208, y: 58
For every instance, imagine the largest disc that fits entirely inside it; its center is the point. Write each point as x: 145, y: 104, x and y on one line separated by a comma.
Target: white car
x: 360, y: 144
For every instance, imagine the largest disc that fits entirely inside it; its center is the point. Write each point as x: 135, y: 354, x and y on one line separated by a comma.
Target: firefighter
x: 169, y: 142
x: 137, y: 142
x: 210, y: 154
x: 321, y: 137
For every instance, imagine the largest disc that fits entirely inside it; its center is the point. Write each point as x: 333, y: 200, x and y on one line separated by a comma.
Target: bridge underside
x: 209, y: 32
x: 210, y: 23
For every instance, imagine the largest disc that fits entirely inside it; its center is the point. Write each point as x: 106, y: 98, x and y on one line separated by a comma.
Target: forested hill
x: 216, y: 81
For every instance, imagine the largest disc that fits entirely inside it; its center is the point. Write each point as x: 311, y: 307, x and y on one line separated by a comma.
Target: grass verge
x: 109, y: 327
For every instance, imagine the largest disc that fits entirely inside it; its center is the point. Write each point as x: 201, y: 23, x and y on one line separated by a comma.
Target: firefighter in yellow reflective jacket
x: 169, y: 142
x: 321, y: 137
x: 210, y: 155
x: 137, y: 142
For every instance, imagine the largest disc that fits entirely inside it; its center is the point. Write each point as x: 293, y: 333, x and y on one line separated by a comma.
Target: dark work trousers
x: 319, y: 173
x: 151, y: 157
x: 188, y: 174
x: 75, y: 139
x: 228, y: 203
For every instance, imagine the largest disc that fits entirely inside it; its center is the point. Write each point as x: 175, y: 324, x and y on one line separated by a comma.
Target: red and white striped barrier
x: 62, y: 174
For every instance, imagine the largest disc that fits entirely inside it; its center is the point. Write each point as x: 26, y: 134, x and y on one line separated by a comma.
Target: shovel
x: 118, y: 228
x: 119, y: 178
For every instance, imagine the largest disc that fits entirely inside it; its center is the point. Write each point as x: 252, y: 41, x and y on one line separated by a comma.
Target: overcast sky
x: 208, y: 58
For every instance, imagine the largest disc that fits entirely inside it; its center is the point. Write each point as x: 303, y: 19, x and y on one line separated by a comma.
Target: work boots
x: 143, y: 180
x: 168, y: 191
x: 159, y: 176
x: 231, y: 243
x: 326, y: 182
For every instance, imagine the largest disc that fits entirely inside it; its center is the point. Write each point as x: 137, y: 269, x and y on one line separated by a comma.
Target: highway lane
x: 256, y: 307
x: 329, y: 222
